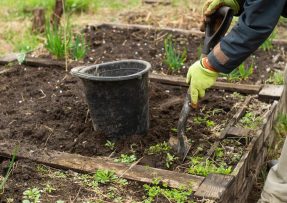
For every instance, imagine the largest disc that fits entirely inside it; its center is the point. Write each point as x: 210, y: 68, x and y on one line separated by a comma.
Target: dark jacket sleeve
x: 255, y: 24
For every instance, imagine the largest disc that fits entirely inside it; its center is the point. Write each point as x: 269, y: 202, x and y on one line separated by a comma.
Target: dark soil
x: 67, y: 185
x: 108, y: 44
x: 46, y: 107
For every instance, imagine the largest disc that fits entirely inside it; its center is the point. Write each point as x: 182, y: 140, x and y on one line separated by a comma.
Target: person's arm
x: 256, y: 23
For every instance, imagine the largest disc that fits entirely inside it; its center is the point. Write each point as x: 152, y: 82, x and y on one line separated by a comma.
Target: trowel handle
x: 216, y: 27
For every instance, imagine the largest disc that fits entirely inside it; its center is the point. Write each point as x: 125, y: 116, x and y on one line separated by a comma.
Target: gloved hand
x: 211, y: 6
x: 199, y: 78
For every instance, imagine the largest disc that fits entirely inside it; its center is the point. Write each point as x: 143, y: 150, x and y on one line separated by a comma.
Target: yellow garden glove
x: 211, y: 6
x: 199, y: 78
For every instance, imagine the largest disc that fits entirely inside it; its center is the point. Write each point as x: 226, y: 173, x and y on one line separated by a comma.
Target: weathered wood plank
x: 9, y: 58
x: 193, y: 31
x: 271, y: 92
x: 213, y: 186
x: 238, y: 132
x: 162, y: 2
x: 180, y: 81
x: 42, y: 62
x: 86, y: 164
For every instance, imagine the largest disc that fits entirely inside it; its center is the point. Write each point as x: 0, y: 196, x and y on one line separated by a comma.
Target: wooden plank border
x: 84, y: 164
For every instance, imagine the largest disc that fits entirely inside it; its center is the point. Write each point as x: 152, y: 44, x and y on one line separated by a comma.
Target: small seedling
x: 158, y: 148
x: 219, y: 152
x: 276, y: 78
x: 104, y: 176
x: 170, y: 159
x: 204, y: 120
x: 49, y: 188
x: 236, y: 95
x: 173, y: 60
x: 251, y: 121
x: 31, y: 195
x: 172, y: 195
x: 110, y: 145
x: 125, y: 158
x: 21, y: 57
x: 199, y: 166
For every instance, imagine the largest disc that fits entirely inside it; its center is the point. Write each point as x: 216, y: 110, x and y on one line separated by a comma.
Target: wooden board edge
x: 84, y: 164
x: 180, y: 81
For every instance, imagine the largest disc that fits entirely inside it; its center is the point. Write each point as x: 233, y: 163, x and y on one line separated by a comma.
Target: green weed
x: 31, y: 195
x: 267, y: 44
x: 158, y: 148
x: 240, y: 73
x: 173, y: 195
x: 172, y: 59
x: 79, y: 47
x: 199, y: 166
x: 198, y: 120
x: 104, y: 176
x: 125, y: 158
x: 49, y: 188
x: 276, y: 78
x: 169, y: 160
x: 250, y: 120
x: 10, y: 167
x: 110, y: 145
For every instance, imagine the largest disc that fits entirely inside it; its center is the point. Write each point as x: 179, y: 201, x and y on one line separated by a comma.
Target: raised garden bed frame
x: 220, y: 188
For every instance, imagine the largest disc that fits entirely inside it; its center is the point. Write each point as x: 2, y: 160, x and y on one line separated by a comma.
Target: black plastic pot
x: 117, y: 96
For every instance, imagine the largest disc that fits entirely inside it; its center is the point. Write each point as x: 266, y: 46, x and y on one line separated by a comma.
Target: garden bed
x: 110, y: 42
x: 44, y: 110
x: 49, y: 111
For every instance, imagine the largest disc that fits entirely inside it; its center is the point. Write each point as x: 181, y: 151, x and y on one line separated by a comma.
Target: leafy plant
x: 125, y: 158
x: 219, y: 152
x: 169, y: 160
x: 173, y: 59
x: 158, y: 148
x: 31, y: 195
x: 241, y: 73
x: 267, y: 44
x: 199, y: 166
x: 21, y: 57
x: 58, y: 40
x: 276, y: 78
x: 79, y: 47
x: 110, y: 145
x: 49, y: 188
x: 104, y: 176
x: 250, y: 120
x: 198, y: 120
x: 175, y: 195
